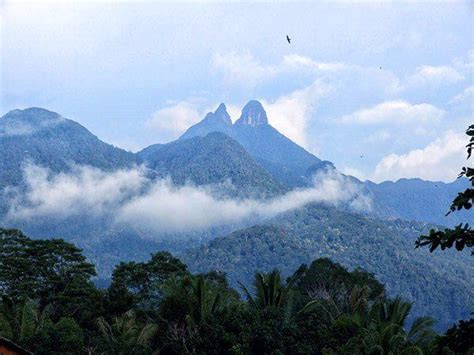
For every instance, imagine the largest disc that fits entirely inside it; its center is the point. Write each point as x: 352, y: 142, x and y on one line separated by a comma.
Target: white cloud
x: 173, y: 120
x: 128, y: 197
x: 291, y: 114
x: 467, y: 95
x: 84, y: 190
x: 434, y: 75
x: 17, y: 126
x: 244, y: 70
x: 301, y: 62
x: 169, y: 208
x: 395, y: 112
x: 440, y: 160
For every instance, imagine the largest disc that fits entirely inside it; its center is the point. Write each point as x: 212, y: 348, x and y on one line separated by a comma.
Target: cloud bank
x: 396, y: 112
x: 129, y: 197
x: 442, y: 160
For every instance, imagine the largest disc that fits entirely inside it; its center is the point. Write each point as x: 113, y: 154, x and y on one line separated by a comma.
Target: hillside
x: 52, y: 141
x: 210, y: 160
x: 381, y: 247
x: 420, y: 200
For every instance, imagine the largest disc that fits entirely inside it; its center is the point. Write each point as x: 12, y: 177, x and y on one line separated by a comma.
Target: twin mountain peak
x: 253, y: 115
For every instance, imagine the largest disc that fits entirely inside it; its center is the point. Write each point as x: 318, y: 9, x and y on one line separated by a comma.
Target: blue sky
x: 383, y: 89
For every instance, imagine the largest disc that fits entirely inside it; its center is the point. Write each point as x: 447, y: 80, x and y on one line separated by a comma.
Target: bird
x: 288, y: 39
x: 361, y: 156
x: 380, y: 68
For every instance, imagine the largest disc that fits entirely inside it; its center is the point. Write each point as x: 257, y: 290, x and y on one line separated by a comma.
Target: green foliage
x: 320, y: 309
x: 270, y: 292
x: 26, y: 325
x: 125, y: 335
x: 459, y: 338
x: 379, y: 328
x: 51, y: 271
x: 140, y: 283
x: 382, y: 248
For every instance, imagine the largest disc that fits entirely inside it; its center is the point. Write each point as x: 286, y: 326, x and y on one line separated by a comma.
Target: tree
x: 270, y: 292
x: 459, y: 338
x: 194, y: 299
x: 126, y: 335
x: 26, y: 325
x: 462, y: 235
x: 140, y: 283
x: 51, y: 272
x: 21, y: 321
x: 380, y: 330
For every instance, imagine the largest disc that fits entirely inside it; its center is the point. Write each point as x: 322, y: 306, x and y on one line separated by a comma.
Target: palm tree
x: 126, y: 335
x: 20, y: 322
x: 354, y: 304
x: 270, y: 293
x: 203, y: 299
x: 381, y: 331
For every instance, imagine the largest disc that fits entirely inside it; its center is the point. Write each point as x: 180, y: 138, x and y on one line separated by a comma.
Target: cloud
x: 177, y: 209
x: 83, y: 190
x: 297, y: 61
x: 128, y: 197
x: 291, y: 114
x: 174, y: 119
x: 442, y: 160
x: 395, y: 112
x: 434, y: 75
x: 467, y: 95
x: 16, y: 126
x: 243, y: 69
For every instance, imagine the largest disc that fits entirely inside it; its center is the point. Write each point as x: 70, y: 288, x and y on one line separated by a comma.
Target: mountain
x: 50, y: 140
x: 218, y: 121
x: 420, y: 200
x: 213, y: 159
x: 380, y: 247
x: 287, y: 162
x: 284, y: 159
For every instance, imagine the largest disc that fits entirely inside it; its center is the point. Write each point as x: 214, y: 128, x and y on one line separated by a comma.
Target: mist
x: 129, y: 197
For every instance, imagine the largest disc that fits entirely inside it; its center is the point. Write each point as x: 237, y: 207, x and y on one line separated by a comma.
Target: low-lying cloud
x: 129, y: 197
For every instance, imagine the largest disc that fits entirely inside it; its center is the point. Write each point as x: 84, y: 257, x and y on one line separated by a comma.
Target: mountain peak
x: 28, y: 121
x: 32, y: 112
x: 222, y: 114
x: 253, y: 114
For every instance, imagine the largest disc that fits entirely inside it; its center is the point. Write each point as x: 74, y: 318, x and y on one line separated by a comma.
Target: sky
x: 383, y: 89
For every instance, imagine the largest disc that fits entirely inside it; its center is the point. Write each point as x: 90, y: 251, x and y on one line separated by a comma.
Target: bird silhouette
x: 288, y: 39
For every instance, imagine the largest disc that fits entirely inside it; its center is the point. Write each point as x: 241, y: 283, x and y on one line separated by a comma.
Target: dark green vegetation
x: 381, y: 247
x: 159, y: 307
x: 258, y: 160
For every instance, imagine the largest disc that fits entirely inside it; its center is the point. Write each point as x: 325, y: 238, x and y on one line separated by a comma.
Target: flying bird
x: 288, y: 39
